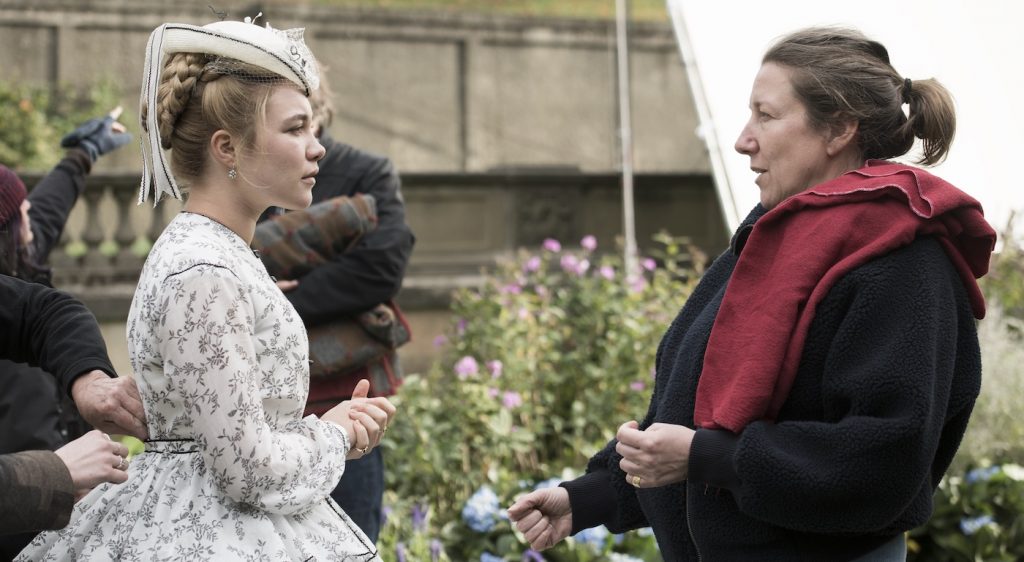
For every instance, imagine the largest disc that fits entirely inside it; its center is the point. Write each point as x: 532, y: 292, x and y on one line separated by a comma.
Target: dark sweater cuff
x: 76, y: 161
x: 592, y: 500
x: 711, y: 459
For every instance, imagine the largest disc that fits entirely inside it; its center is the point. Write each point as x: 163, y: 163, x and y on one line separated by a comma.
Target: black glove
x: 96, y: 137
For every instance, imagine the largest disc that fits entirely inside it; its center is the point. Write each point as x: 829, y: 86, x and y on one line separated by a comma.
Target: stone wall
x: 436, y: 92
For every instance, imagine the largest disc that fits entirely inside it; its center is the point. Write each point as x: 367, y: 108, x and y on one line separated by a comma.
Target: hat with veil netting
x: 235, y: 48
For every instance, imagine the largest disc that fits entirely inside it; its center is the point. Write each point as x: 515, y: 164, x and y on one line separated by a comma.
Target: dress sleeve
x: 210, y: 360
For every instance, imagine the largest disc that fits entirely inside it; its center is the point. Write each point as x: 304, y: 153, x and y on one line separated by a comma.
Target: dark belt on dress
x: 171, y: 446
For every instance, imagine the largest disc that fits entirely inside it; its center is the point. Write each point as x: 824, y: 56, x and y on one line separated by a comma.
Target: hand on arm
x: 544, y: 517
x: 110, y: 404
x: 657, y: 456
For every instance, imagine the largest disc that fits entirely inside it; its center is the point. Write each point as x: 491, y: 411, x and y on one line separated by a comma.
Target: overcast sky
x: 975, y: 48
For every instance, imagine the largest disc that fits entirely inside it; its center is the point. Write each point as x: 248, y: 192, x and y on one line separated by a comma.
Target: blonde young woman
x: 232, y: 471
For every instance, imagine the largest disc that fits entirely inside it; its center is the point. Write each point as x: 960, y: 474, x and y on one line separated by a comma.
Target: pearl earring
x: 232, y: 173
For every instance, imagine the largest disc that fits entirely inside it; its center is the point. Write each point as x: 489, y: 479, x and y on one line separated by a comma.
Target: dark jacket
x: 33, y: 414
x: 887, y: 380
x: 49, y: 328
x: 372, y: 272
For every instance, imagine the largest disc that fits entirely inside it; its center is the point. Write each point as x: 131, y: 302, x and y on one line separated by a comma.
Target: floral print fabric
x: 232, y: 470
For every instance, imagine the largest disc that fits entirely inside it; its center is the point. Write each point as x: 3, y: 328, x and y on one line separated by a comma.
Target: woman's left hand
x: 657, y: 456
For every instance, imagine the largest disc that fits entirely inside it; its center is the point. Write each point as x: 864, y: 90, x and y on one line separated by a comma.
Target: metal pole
x: 626, y: 139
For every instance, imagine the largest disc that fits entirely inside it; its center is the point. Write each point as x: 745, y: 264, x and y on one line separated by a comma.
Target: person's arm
x: 209, y: 357
x: 370, y: 273
x: 53, y: 198
x: 886, y: 401
x: 36, y: 492
x: 50, y: 329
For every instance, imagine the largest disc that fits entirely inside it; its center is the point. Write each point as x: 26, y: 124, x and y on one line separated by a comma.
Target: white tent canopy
x: 973, y: 48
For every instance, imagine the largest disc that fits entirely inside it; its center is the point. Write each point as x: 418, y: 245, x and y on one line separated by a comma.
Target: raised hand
x: 98, y: 136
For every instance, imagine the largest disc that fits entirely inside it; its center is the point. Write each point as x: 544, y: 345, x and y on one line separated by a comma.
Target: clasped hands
x: 365, y: 419
x: 657, y: 456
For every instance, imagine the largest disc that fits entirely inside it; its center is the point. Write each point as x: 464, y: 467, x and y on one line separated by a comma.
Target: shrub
x: 35, y: 118
x: 543, y: 363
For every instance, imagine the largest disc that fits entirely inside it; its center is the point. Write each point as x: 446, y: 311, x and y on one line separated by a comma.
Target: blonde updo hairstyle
x: 195, y: 99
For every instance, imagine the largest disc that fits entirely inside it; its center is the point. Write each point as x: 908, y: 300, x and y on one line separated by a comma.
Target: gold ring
x: 363, y: 450
x: 636, y: 481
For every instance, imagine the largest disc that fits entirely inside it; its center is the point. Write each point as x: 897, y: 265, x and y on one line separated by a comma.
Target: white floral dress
x: 232, y: 471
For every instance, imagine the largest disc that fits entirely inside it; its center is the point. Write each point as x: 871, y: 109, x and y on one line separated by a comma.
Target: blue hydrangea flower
x: 488, y: 557
x: 532, y: 555
x: 971, y: 525
x: 981, y: 474
x: 594, y: 536
x: 481, y: 510
x: 419, y: 517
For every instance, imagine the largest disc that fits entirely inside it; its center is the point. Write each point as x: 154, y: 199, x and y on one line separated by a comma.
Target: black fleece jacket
x: 31, y: 416
x: 886, y: 384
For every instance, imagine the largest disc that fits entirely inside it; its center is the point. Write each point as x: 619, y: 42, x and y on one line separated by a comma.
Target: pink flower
x: 638, y: 284
x: 541, y: 291
x: 569, y: 263
x: 552, y: 245
x: 532, y: 264
x: 439, y: 341
x: 511, y: 289
x: 460, y: 327
x: 582, y: 267
x: 523, y: 313
x: 637, y: 385
x: 495, y: 367
x: 589, y: 243
x: 607, y: 271
x: 493, y: 392
x: 512, y: 399
x: 466, y: 367
x: 649, y: 264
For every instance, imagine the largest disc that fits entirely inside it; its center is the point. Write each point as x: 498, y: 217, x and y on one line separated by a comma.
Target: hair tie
x: 907, y: 85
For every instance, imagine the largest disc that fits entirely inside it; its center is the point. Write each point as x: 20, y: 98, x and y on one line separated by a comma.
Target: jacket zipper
x: 689, y: 526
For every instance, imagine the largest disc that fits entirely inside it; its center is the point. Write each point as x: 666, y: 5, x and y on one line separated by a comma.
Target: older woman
x: 817, y: 383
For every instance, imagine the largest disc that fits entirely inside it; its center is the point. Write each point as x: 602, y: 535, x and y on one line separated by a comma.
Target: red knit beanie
x: 12, y: 193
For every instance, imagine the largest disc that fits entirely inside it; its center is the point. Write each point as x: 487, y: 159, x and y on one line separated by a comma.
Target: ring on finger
x: 363, y: 450
x: 122, y: 463
x: 636, y: 480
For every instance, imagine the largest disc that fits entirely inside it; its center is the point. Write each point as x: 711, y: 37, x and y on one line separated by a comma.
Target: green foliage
x: 544, y: 362
x: 1005, y: 279
x: 35, y: 118
x: 979, y: 516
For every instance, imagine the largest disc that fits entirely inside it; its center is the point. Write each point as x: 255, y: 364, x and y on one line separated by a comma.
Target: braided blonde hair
x: 196, y: 98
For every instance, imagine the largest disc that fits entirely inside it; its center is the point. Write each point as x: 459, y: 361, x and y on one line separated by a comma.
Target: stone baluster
x: 92, y: 236
x: 125, y: 236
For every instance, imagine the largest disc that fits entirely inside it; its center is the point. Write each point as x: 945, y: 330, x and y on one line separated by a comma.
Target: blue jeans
x: 361, y: 492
